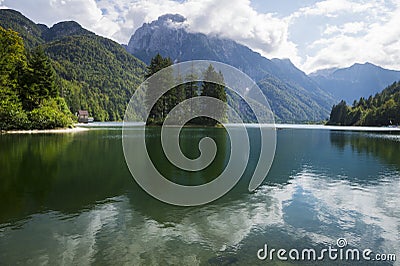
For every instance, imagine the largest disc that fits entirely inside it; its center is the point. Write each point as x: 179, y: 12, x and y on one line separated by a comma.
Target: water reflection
x: 189, y: 140
x: 62, y: 172
x: 317, y: 191
x: 382, y: 145
x: 28, y: 171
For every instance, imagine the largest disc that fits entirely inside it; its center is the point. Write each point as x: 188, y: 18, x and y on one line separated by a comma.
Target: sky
x: 312, y: 34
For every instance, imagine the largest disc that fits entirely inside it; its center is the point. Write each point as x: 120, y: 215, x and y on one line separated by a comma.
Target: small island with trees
x: 186, y: 90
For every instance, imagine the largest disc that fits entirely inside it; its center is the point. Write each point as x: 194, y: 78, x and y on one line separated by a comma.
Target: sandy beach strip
x: 39, y: 131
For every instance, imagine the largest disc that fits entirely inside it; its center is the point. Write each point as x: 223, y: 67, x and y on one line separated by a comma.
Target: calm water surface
x: 70, y: 199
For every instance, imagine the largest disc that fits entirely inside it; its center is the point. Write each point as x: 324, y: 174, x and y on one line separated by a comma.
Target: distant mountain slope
x: 65, y: 29
x: 161, y: 36
x: 281, y: 80
x: 29, y: 31
x: 359, y: 80
x: 97, y: 73
x: 302, y: 84
x: 291, y: 104
x: 36, y: 34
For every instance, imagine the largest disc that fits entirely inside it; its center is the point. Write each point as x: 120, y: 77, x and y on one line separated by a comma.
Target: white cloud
x: 379, y: 43
x: 329, y: 32
x: 332, y: 8
x: 261, y: 32
x: 234, y: 19
x: 49, y: 12
x: 348, y: 28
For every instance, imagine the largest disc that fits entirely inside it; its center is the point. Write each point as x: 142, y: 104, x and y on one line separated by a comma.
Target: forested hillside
x: 28, y: 30
x: 99, y: 75
x: 95, y: 73
x: 383, y: 109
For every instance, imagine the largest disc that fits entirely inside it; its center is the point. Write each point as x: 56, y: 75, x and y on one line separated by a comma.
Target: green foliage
x: 92, y: 72
x: 186, y: 90
x: 97, y: 74
x: 161, y: 108
x: 28, y: 88
x: 12, y: 58
x: 191, y: 89
x: 12, y: 116
x: 51, y: 114
x: 214, y: 90
x: 30, y: 32
x: 39, y: 80
x: 380, y: 110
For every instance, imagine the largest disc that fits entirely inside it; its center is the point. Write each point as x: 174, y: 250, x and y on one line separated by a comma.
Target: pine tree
x: 216, y: 91
x: 185, y: 90
x: 338, y: 114
x: 12, y: 65
x: 177, y: 94
x: 12, y: 58
x: 159, y: 111
x: 191, y: 89
x: 39, y: 82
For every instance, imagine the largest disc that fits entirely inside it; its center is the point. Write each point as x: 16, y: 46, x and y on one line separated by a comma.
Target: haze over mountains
x: 101, y: 75
x: 358, y: 80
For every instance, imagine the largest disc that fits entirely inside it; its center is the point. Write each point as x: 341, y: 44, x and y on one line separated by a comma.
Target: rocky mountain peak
x: 280, y: 79
x: 158, y: 35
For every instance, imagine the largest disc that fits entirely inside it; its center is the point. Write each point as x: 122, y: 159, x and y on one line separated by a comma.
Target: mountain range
x: 100, y: 75
x: 294, y: 97
x: 358, y: 80
x: 95, y: 73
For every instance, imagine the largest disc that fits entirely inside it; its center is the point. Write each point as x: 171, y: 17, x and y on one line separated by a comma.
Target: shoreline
x: 338, y: 128
x: 39, y: 131
x: 84, y: 127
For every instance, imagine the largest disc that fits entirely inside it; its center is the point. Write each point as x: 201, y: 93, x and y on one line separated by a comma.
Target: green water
x: 70, y: 199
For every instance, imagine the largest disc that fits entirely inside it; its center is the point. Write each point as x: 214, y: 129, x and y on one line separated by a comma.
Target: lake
x: 70, y: 199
